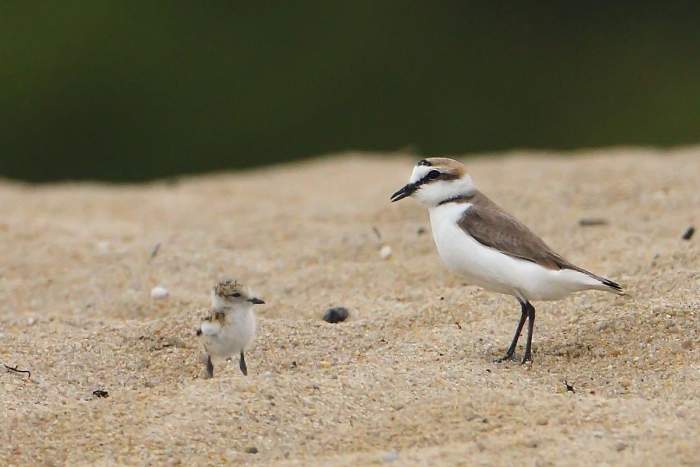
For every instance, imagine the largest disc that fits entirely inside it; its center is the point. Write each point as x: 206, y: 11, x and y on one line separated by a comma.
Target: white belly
x: 493, y: 270
x: 231, y: 339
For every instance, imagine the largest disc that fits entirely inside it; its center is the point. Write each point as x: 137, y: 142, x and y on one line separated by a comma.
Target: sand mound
x: 409, y: 378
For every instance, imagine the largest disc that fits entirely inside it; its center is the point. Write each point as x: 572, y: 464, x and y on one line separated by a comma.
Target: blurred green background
x: 120, y: 90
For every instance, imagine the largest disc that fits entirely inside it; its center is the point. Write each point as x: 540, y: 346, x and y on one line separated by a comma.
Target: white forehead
x: 419, y: 172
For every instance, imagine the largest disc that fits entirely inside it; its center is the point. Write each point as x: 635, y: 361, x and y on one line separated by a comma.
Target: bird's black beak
x: 256, y: 301
x: 404, y: 192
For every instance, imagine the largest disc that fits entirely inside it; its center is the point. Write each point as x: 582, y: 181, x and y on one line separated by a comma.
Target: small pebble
x: 31, y: 321
x: 99, y: 393
x: 689, y: 233
x: 324, y: 364
x: 421, y: 230
x: 620, y: 446
x: 251, y: 450
x: 159, y: 293
x: 390, y: 456
x: 385, y: 252
x: 336, y: 315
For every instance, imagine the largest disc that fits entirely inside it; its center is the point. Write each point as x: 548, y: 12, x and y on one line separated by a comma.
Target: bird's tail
x: 603, y: 283
x: 611, y: 286
x: 607, y: 285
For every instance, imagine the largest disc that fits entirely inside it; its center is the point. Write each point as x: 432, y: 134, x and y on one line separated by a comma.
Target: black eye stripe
x: 435, y: 175
x: 425, y: 162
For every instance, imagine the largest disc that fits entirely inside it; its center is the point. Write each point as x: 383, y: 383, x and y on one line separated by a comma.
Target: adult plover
x: 229, y: 328
x: 490, y: 248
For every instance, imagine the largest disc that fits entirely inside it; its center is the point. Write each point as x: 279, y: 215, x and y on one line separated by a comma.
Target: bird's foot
x: 208, y: 367
x: 509, y: 357
x: 527, y: 359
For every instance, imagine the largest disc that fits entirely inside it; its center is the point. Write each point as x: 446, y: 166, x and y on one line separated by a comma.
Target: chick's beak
x: 256, y: 301
x: 404, y: 192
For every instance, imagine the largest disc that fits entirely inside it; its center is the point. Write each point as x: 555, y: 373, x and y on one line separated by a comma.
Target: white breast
x: 233, y: 337
x: 493, y: 270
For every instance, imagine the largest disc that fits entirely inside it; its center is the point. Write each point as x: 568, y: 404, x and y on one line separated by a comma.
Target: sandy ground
x: 409, y: 379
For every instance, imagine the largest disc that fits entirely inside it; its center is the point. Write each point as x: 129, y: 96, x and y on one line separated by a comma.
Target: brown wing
x: 489, y: 225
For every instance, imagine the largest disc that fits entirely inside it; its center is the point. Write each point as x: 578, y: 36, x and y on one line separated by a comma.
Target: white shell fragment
x: 159, y: 293
x: 103, y: 247
x: 385, y: 252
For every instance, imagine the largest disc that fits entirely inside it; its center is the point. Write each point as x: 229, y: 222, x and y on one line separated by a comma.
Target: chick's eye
x: 433, y: 174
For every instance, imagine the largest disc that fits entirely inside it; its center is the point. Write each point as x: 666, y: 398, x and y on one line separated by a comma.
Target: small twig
x: 377, y: 233
x: 155, y: 250
x: 459, y: 326
x: 569, y: 387
x: 590, y: 222
x: 16, y: 370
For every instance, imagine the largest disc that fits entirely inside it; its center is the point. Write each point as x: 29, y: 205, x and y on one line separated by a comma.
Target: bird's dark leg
x: 210, y: 367
x: 530, y: 327
x: 244, y: 368
x: 511, y: 350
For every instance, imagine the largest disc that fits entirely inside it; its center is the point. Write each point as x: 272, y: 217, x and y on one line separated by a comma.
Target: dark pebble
x: 689, y: 233
x: 100, y: 393
x: 421, y: 230
x: 252, y: 450
x: 336, y: 315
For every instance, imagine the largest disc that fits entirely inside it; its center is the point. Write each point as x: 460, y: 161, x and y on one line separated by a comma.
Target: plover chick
x: 490, y: 248
x: 229, y: 329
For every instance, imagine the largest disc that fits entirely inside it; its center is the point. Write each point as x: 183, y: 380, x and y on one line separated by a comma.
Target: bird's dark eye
x: 433, y: 174
x: 236, y: 295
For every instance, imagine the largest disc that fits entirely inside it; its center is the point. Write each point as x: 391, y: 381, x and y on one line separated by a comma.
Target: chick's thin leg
x: 244, y: 368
